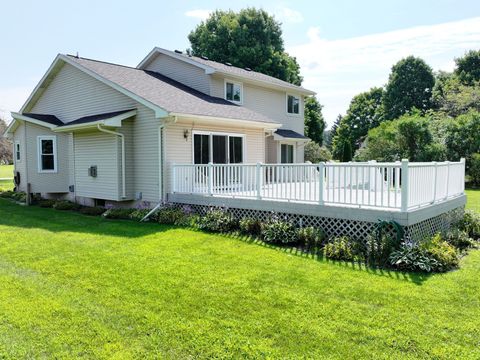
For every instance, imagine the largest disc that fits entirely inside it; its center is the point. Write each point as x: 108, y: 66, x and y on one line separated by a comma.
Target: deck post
x: 258, y: 180
x: 321, y: 173
x: 404, y: 192
x: 210, y: 178
x: 462, y: 161
x: 435, y: 182
x: 448, y: 179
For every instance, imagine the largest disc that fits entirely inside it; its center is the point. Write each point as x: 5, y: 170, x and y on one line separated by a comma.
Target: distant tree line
x: 5, y: 145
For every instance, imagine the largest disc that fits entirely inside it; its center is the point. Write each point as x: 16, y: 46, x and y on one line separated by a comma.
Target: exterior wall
x: 180, y: 71
x: 269, y: 102
x: 271, y: 150
x: 180, y: 151
x: 44, y: 182
x: 73, y: 94
x: 21, y: 166
x: 101, y: 150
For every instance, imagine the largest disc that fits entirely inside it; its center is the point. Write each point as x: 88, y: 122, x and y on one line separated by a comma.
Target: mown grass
x: 473, y: 199
x: 74, y: 286
x: 6, y: 171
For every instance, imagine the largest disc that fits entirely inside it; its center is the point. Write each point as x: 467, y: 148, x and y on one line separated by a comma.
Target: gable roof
x: 50, y: 119
x: 97, y: 117
x: 211, y: 67
x: 162, y: 93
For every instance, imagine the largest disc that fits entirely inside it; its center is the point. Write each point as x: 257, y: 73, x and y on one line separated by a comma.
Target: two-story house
x: 93, y: 131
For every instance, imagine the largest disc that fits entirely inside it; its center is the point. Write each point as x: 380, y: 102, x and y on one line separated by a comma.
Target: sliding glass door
x: 217, y: 148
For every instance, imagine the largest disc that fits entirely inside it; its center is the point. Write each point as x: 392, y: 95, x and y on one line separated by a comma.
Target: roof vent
x: 178, y: 52
x: 204, y: 57
x: 248, y: 69
x: 228, y: 64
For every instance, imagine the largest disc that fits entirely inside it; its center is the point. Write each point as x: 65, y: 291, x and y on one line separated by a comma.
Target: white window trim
x: 299, y: 104
x: 279, y: 151
x: 210, y: 134
x: 15, y: 145
x: 39, y: 153
x: 225, y: 81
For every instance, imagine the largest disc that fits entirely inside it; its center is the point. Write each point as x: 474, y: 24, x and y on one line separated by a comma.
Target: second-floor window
x: 293, y: 104
x: 233, y: 92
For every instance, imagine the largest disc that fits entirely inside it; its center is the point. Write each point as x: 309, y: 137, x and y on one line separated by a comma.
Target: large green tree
x: 5, y: 145
x: 314, y: 122
x: 364, y: 113
x: 249, y: 38
x: 409, y: 86
x: 468, y: 67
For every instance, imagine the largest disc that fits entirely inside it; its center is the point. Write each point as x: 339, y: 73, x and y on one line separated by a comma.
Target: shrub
x: 14, y: 195
x: 65, y: 205
x: 378, y: 248
x: 474, y: 170
x: 279, y: 232
x: 139, y: 214
x: 470, y: 223
x: 46, y: 203
x: 217, y: 220
x: 118, y: 213
x: 443, y: 252
x: 316, y: 153
x: 412, y: 258
x: 311, y: 237
x: 250, y: 226
x: 340, y: 248
x: 170, y: 215
x: 458, y: 238
x: 92, y: 211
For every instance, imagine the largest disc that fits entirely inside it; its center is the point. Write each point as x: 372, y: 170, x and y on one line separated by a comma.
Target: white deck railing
x: 398, y: 186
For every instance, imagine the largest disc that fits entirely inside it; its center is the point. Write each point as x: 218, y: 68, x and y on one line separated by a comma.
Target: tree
x: 314, y: 122
x: 5, y: 145
x: 463, y: 138
x: 468, y: 67
x: 316, y: 153
x: 332, y: 132
x: 342, y: 144
x: 407, y: 137
x: 249, y: 38
x: 409, y: 86
x: 453, y: 97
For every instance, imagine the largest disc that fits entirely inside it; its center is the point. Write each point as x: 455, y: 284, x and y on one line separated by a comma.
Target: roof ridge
x: 103, y: 62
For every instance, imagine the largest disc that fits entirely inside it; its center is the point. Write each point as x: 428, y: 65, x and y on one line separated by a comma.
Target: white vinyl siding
x: 180, y: 71
x: 100, y: 150
x: 178, y: 150
x: 269, y: 102
x: 46, y: 182
x: 73, y: 94
x: 20, y: 166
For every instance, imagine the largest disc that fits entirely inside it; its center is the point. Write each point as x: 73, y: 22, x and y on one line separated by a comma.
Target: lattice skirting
x: 357, y: 230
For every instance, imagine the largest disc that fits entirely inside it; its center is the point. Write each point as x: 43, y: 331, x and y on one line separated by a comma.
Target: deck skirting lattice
x: 333, y: 227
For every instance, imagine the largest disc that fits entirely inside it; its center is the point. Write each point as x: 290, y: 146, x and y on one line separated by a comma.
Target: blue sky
x: 344, y: 47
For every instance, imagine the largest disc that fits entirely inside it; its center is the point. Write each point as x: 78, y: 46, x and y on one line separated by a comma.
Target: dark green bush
x: 276, y: 231
x: 118, y: 213
x: 65, y: 205
x: 250, y: 226
x: 14, y: 195
x: 46, y: 203
x: 217, y: 220
x: 139, y: 214
x: 340, y: 248
x: 470, y: 223
x: 170, y: 215
x: 474, y: 170
x: 378, y: 248
x: 459, y: 239
x: 310, y: 237
x: 92, y: 211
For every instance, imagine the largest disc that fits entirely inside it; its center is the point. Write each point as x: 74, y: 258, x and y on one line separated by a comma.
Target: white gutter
x: 122, y: 137
x: 258, y: 124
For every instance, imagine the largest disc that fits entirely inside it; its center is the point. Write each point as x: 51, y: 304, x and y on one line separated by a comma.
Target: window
x: 17, y: 152
x: 293, y: 104
x: 233, y: 92
x: 286, y: 154
x: 47, y: 154
x: 217, y: 148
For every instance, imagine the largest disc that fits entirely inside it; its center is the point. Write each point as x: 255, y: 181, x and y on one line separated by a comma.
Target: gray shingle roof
x: 97, y: 117
x: 50, y: 119
x: 169, y: 94
x: 290, y: 134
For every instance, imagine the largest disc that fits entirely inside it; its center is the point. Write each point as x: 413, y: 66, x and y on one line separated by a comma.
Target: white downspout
x: 122, y: 137
x: 160, y: 162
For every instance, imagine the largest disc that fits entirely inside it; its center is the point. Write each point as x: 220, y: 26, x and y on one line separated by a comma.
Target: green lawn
x: 74, y: 286
x: 473, y: 199
x: 6, y: 171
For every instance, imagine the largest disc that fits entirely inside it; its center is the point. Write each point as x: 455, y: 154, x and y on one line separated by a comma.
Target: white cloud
x: 200, y: 14
x: 12, y: 99
x: 339, y: 69
x: 288, y: 15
